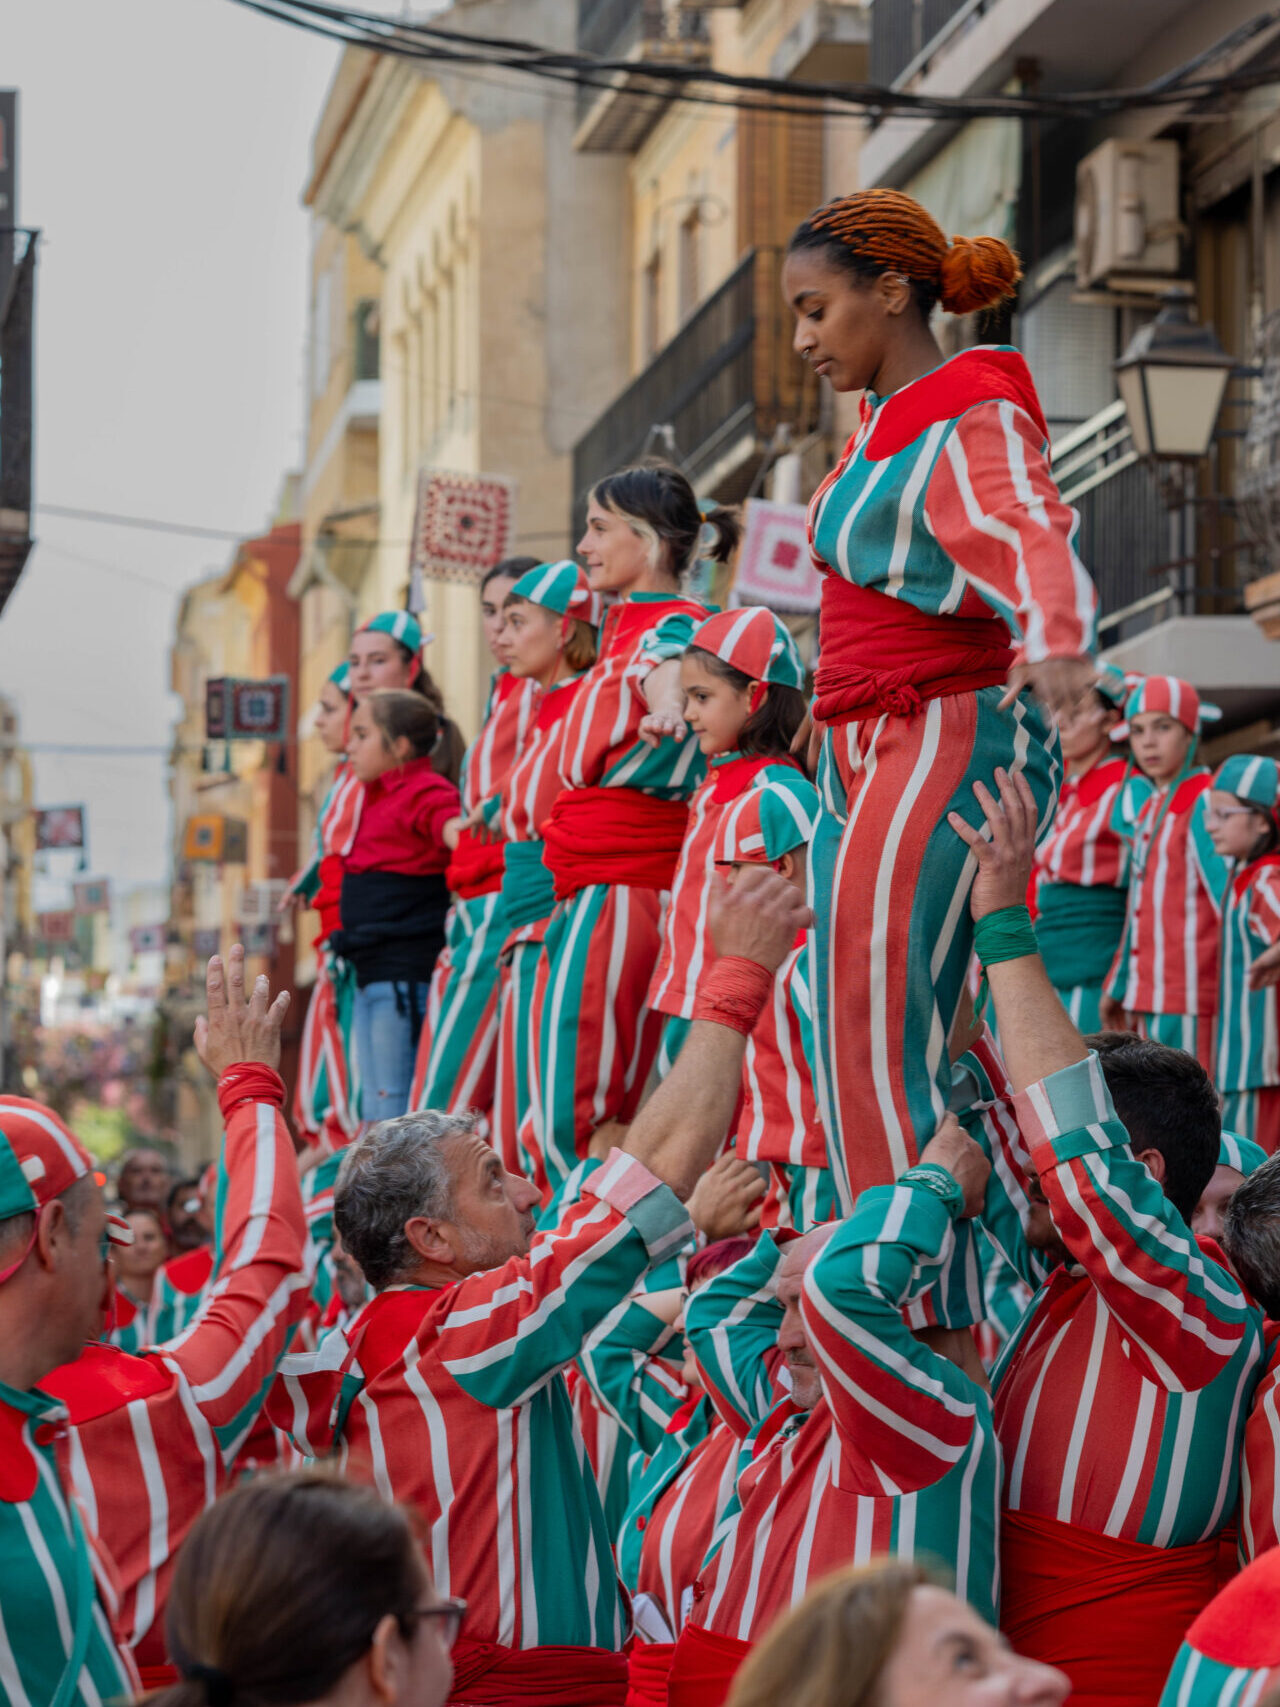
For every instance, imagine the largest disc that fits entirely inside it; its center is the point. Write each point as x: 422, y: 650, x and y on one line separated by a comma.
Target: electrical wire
x: 452, y: 47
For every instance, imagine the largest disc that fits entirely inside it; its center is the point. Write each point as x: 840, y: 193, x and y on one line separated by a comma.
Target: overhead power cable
x: 448, y: 47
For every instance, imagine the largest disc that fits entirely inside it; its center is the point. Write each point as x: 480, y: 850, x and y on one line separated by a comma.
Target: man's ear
x: 53, y: 1232
x: 430, y: 1240
x: 1153, y: 1161
x: 382, y: 1663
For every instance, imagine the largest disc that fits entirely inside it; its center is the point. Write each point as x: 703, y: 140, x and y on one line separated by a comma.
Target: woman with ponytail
x: 455, y: 1067
x: 615, y: 831
x: 951, y: 587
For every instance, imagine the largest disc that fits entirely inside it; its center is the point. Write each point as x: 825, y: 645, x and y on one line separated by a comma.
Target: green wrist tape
x: 1007, y: 934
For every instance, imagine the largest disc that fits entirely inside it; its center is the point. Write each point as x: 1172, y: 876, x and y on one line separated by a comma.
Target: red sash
x: 932, y: 656
x: 1111, y: 1614
x: 487, y: 1675
x: 703, y: 1667
x: 476, y: 867
x: 328, y: 897
x: 615, y: 836
x: 158, y: 1676
x: 648, y: 1672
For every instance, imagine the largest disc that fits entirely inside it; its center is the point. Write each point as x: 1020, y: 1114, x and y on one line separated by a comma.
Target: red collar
x: 972, y: 377
x: 400, y: 777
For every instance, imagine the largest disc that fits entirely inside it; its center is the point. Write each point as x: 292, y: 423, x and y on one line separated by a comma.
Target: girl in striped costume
x: 616, y: 829
x: 743, y: 686
x: 456, y: 1048
x: 779, y: 1125
x: 326, y: 1100
x: 1243, y: 819
x: 1164, y: 979
x: 1081, y: 876
x: 550, y: 622
x: 951, y: 584
x: 387, y: 653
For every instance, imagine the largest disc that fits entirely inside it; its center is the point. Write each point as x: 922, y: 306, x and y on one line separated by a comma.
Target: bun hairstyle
x: 658, y: 504
x: 882, y: 231
x: 400, y: 711
x: 280, y: 1587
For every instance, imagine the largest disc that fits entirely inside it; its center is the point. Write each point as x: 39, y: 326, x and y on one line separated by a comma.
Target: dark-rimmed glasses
x: 450, y: 1613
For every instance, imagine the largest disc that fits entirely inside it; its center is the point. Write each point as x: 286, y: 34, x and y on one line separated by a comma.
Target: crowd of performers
x: 746, y: 1129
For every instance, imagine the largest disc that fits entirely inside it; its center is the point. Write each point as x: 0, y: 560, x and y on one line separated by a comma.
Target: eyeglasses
x: 1218, y: 814
x: 449, y: 1612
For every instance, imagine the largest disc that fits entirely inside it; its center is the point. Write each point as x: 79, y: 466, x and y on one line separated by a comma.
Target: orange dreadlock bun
x: 890, y: 232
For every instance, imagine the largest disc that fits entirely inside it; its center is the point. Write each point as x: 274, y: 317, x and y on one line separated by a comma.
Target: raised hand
x: 727, y: 1199
x: 952, y: 1148
x: 758, y: 918
x: 1058, y: 683
x: 1004, y: 856
x: 235, y: 1030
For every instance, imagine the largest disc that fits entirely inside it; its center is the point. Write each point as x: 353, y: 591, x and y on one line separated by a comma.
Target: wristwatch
x: 940, y: 1183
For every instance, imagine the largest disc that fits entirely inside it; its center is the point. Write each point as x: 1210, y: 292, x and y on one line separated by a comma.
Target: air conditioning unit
x: 1127, y: 223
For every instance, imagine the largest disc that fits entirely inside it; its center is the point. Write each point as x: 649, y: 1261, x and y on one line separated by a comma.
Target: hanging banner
x: 258, y: 938
x: 211, y: 837
x: 60, y: 827
x: 774, y: 567
x: 92, y: 896
x: 463, y: 525
x: 205, y: 942
x: 238, y: 709
x: 56, y: 927
x: 259, y: 901
x: 147, y: 939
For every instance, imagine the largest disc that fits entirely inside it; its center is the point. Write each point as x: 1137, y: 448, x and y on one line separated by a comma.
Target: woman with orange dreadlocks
x: 950, y: 588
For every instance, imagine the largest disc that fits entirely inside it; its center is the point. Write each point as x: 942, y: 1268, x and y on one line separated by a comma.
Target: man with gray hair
x: 446, y: 1392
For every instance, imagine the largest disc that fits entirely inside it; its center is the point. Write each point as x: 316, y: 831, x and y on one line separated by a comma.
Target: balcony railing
x: 722, y: 385
x: 903, y: 32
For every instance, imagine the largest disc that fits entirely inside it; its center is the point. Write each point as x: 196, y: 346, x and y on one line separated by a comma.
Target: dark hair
x: 774, y: 724
x: 183, y: 1188
x: 1251, y: 1234
x: 510, y: 569
x: 450, y: 744
x: 280, y: 1587
x: 713, y: 1259
x: 657, y: 501
x: 878, y: 231
x: 399, y: 712
x: 1165, y: 1101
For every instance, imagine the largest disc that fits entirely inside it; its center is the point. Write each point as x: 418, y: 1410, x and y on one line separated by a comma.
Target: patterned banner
x: 774, y: 567
x: 147, y: 939
x: 93, y: 896
x: 60, y: 827
x: 56, y: 927
x: 462, y: 526
x: 205, y: 943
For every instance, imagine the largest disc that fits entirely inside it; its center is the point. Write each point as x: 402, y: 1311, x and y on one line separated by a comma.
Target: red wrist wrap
x: 249, y: 1081
x: 733, y: 993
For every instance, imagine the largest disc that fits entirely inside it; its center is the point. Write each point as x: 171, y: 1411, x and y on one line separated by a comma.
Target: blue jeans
x: 388, y: 1017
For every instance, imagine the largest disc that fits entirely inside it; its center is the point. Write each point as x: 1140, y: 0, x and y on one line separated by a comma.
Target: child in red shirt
x: 394, y: 895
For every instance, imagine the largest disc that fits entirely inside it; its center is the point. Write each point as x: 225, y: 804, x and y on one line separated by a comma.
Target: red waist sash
x: 648, y: 1671
x: 328, y: 897
x: 476, y: 867
x: 487, y: 1675
x: 612, y: 835
x: 703, y: 1667
x: 883, y: 655
x: 158, y: 1676
x: 1111, y: 1614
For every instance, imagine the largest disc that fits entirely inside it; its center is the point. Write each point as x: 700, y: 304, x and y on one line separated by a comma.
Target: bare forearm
x: 680, y: 1130
x: 1037, y: 1037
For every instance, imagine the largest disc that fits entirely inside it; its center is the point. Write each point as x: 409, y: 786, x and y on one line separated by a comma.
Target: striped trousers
x: 596, y: 1036
x: 1255, y: 1115
x: 889, y: 884
x: 1192, y: 1032
x: 457, y: 1047
x: 516, y: 1049
x: 326, y: 1098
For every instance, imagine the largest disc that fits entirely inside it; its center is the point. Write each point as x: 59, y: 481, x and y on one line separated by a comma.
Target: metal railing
x: 906, y: 31
x: 728, y: 371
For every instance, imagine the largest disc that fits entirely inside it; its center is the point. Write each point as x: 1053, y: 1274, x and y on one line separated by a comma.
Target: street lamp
x: 1171, y: 380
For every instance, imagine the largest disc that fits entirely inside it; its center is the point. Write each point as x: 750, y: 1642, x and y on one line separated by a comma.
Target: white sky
x: 163, y: 147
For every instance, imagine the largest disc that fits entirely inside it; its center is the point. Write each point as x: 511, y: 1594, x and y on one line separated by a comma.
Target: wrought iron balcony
x: 616, y: 118
x: 902, y: 32
x: 722, y: 384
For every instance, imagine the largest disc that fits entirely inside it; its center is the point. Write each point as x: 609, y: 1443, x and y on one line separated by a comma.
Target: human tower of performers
x: 739, y: 1139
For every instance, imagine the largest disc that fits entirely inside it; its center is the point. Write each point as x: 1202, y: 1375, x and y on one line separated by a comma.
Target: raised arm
x: 621, y: 1363
x: 506, y: 1331
x: 732, y: 1323
x: 229, y: 1352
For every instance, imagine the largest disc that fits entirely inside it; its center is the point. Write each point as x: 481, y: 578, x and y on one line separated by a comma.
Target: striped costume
x: 178, y: 1293
x: 457, y: 1046
x: 326, y: 1100
x: 943, y: 542
x: 1231, y: 1657
x: 1166, y: 967
x: 899, y: 1456
x: 528, y: 898
x: 1120, y: 1404
x: 1078, y: 890
x: 612, y: 840
x: 452, y: 1401
x: 153, y: 1440
x: 59, y: 1594
x: 1260, y: 1461
x: 1249, y: 1020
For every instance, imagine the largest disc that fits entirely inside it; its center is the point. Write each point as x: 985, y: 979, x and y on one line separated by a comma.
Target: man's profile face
x: 494, y: 1212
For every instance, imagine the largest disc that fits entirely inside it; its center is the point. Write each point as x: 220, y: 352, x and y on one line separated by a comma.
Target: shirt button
x: 46, y: 1433
x: 641, y: 1521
